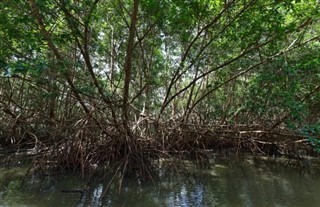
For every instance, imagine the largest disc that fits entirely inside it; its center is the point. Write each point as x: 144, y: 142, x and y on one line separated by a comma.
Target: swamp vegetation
x: 121, y: 85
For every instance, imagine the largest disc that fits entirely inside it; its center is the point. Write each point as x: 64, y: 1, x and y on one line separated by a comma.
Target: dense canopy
x: 89, y: 76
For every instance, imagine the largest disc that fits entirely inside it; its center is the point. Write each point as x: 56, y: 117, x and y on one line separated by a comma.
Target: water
x: 229, y: 182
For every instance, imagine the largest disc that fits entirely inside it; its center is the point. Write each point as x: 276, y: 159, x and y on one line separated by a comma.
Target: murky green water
x: 229, y: 182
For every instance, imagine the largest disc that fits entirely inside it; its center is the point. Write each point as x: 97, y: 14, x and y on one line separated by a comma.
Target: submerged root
x: 88, y: 150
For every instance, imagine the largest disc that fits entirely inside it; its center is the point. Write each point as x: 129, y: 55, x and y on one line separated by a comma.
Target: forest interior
x: 120, y: 84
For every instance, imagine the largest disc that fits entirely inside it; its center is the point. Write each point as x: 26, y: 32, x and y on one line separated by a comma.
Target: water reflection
x: 227, y: 183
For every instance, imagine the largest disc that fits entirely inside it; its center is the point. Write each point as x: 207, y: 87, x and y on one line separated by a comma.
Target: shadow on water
x: 229, y: 182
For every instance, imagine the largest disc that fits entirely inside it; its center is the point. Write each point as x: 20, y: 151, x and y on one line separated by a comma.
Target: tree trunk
x: 128, y: 65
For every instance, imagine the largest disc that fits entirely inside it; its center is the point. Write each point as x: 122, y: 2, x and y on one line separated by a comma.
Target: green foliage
x: 277, y: 86
x: 312, y: 132
x: 179, y: 46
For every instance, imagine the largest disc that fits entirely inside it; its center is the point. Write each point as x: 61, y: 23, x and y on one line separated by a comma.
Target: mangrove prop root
x: 88, y: 149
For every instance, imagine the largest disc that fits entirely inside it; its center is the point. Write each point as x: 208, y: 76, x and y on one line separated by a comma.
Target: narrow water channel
x: 229, y: 182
